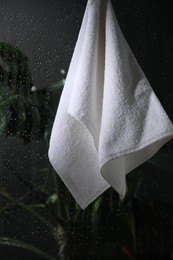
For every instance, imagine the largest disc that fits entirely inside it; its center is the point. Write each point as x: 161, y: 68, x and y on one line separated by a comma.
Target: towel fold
x: 109, y: 120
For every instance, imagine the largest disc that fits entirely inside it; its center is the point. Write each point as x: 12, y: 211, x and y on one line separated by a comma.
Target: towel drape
x: 109, y: 120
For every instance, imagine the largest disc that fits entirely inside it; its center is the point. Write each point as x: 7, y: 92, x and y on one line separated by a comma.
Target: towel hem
x: 69, y: 182
x: 168, y: 135
x: 80, y: 199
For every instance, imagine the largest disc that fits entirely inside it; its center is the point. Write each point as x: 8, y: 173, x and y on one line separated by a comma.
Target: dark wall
x: 46, y: 31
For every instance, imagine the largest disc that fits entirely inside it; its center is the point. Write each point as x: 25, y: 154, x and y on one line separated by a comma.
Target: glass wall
x: 39, y: 219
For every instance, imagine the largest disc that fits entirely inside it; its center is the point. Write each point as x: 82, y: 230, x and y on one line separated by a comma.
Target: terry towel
x: 109, y: 120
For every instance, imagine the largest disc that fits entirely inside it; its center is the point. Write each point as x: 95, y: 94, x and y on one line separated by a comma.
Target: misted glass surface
x: 39, y: 219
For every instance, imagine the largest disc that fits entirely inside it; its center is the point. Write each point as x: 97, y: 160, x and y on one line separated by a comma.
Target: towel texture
x: 109, y: 120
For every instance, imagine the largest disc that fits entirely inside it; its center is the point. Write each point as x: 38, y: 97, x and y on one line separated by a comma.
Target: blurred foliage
x: 24, y: 110
x: 28, y: 113
x: 15, y: 89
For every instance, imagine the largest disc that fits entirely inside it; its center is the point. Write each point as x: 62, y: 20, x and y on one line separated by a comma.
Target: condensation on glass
x: 38, y: 217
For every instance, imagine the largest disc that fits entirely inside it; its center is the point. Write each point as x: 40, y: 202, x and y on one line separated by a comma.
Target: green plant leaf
x: 52, y: 199
x: 6, y: 241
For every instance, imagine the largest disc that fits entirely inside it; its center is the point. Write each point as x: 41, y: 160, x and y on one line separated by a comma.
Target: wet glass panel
x: 39, y: 219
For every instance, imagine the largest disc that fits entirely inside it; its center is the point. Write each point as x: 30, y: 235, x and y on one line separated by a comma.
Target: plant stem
x: 33, y: 212
x: 17, y: 243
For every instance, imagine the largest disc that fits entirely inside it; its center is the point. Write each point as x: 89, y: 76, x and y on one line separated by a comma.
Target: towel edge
x: 71, y: 186
x: 163, y: 138
x: 168, y: 135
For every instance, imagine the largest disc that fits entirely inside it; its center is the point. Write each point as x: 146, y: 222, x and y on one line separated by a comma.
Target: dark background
x: 46, y: 31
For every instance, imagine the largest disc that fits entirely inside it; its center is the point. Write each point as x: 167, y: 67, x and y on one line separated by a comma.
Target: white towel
x: 109, y: 121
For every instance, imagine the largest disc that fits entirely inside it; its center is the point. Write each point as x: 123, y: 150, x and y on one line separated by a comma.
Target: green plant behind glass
x: 28, y: 113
